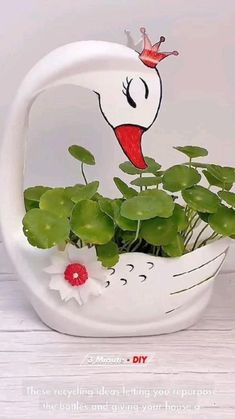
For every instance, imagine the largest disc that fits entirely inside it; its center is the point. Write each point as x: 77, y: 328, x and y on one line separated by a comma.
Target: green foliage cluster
x: 147, y: 218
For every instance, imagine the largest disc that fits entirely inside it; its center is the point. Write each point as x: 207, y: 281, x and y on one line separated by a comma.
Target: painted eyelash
x: 126, y: 92
x: 144, y: 277
x: 123, y: 279
x: 113, y: 271
x: 107, y: 284
x: 146, y: 88
x: 131, y: 266
x: 151, y: 265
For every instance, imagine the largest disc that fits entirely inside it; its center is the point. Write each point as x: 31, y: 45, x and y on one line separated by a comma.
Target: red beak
x: 129, y: 137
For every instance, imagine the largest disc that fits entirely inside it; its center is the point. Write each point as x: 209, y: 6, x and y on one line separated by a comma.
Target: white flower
x: 76, y: 273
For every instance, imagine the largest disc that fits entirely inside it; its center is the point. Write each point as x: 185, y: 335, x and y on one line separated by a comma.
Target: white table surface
x: 191, y: 372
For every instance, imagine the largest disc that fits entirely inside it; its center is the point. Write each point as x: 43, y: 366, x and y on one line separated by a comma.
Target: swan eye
x: 126, y: 92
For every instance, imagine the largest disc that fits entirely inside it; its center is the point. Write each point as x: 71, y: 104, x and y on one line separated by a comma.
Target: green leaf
x: 34, y: 193
x: 90, y: 224
x: 180, y: 177
x: 127, y: 236
x: 192, y: 151
x: 124, y: 223
x: 147, y: 181
x: 130, y: 169
x: 81, y: 154
x: 195, y: 164
x: 204, y: 216
x: 223, y: 221
x: 125, y: 190
x: 57, y: 202
x: 213, y: 181
x: 148, y: 204
x: 105, y: 205
x: 86, y: 192
x: 228, y: 197
x: 180, y: 218
x: 201, y: 199
x: 224, y: 174
x: 108, y: 254
x: 44, y: 229
x: 158, y: 231
x: 176, y: 247
x: 72, y: 190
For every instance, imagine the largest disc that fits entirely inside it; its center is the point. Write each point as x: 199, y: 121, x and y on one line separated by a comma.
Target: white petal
x: 53, y: 269
x: 60, y: 259
x: 58, y: 283
x: 97, y: 271
x: 83, y: 255
x: 91, y: 287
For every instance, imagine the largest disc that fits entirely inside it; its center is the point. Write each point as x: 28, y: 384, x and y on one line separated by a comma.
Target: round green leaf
x: 223, y: 221
x: 125, y: 190
x: 192, y: 151
x: 224, y: 174
x: 158, y: 231
x: 201, y: 199
x: 34, y: 193
x: 130, y: 169
x: 81, y: 154
x: 180, y: 177
x: 44, y: 229
x: 105, y: 205
x: 72, y: 190
x: 147, y: 181
x: 124, y: 223
x: 212, y: 180
x: 148, y: 204
x: 57, y: 202
x: 180, y: 218
x: 86, y: 192
x: 228, y: 197
x: 108, y: 254
x: 176, y: 247
x: 90, y: 224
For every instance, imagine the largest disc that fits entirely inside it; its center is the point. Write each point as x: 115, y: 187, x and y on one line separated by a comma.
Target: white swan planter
x: 143, y: 294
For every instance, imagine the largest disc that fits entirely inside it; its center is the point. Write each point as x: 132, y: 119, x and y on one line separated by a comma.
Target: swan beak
x: 129, y: 138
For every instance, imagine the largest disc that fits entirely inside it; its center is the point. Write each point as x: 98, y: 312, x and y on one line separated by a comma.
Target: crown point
x: 143, y: 30
x: 175, y: 53
x: 162, y: 39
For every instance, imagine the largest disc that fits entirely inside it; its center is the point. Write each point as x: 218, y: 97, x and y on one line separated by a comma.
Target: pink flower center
x: 76, y: 274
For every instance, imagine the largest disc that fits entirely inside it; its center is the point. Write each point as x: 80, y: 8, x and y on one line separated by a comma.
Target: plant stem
x: 199, y: 235
x: 211, y: 237
x: 191, y: 226
x: 137, y: 245
x: 190, y: 232
x: 83, y: 173
x: 141, y: 187
x: 137, y: 231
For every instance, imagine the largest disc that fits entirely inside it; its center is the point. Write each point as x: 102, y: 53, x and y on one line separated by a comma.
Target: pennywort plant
x: 158, y: 213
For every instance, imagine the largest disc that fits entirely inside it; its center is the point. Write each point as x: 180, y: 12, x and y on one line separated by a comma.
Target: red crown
x: 150, y: 55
